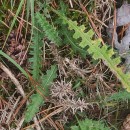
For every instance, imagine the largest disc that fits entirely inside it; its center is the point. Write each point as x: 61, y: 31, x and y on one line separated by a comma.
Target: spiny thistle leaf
x: 36, y: 60
x: 67, y: 35
x: 36, y: 53
x: 37, y: 99
x: 48, y: 79
x: 97, y: 50
x: 49, y: 30
x: 119, y: 96
x: 36, y: 65
x: 76, y: 47
x: 88, y: 124
x: 33, y: 107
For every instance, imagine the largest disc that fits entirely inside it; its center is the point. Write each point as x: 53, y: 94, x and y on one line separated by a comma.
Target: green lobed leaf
x: 119, y: 96
x: 33, y: 107
x: 97, y: 50
x: 36, y: 99
x: 14, y: 62
x: 76, y: 47
x: 48, y: 29
x: 48, y: 79
x: 67, y: 35
x: 36, y: 52
x: 89, y: 124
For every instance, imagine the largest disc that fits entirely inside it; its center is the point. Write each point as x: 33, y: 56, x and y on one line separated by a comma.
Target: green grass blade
x: 14, y: 20
x: 12, y: 61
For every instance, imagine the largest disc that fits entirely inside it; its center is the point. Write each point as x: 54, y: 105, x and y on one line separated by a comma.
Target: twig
x: 36, y: 123
x: 49, y: 115
x: 20, y: 89
x: 11, y: 113
x: 114, y: 29
x: 14, y: 80
x: 71, y: 4
x: 20, y: 124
